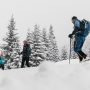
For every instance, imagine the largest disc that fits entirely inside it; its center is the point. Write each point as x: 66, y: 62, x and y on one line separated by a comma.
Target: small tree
x: 29, y: 37
x: 11, y: 47
x: 37, y: 47
x: 53, y: 48
x: 64, y: 53
x: 45, y: 41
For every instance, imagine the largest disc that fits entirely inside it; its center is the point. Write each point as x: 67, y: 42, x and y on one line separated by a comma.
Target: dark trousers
x: 78, y: 44
x: 25, y: 59
x: 2, y: 66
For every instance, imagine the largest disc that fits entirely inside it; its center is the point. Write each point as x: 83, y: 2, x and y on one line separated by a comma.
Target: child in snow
x: 2, y: 60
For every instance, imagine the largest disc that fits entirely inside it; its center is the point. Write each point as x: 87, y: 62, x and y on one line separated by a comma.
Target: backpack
x: 26, y: 50
x: 83, y: 24
x: 84, y: 27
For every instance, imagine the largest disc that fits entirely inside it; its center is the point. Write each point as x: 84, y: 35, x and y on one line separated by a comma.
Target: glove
x: 70, y: 35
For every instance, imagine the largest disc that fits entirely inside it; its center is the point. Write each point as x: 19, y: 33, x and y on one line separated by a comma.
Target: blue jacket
x: 2, y: 60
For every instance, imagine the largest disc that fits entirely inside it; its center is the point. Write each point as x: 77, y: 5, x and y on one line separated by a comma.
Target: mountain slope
x: 48, y: 76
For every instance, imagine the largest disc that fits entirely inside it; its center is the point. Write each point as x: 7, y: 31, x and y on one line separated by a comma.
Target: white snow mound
x: 48, y: 76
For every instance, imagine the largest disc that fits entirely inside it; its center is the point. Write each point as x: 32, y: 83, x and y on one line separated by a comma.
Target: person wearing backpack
x: 25, y: 54
x: 81, y: 31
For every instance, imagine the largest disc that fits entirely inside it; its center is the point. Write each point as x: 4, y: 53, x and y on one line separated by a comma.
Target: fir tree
x: 45, y: 41
x: 37, y: 48
x: 53, y: 48
x: 12, y: 47
x: 64, y: 53
x: 29, y: 37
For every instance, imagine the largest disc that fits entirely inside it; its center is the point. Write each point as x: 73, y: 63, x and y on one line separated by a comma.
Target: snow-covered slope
x: 48, y: 76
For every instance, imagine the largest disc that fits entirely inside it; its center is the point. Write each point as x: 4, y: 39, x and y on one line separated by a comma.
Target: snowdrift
x: 48, y: 76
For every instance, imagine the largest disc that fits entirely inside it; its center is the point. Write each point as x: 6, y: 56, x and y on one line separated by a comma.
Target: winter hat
x: 25, y: 42
x: 74, y: 17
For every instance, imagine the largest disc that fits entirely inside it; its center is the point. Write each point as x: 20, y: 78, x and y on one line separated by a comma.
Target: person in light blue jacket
x: 2, y: 60
x: 81, y: 31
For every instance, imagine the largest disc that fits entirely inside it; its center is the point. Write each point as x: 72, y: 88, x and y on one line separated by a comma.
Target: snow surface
x: 48, y: 76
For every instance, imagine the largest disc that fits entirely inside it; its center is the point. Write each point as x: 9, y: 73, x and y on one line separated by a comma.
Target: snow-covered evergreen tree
x: 53, y: 48
x: 29, y: 37
x: 37, y: 47
x: 64, y: 53
x: 11, y: 47
x: 45, y: 41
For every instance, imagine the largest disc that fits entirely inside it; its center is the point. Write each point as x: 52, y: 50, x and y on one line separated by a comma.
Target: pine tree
x: 12, y: 47
x: 53, y: 48
x: 45, y: 41
x: 37, y: 48
x: 64, y: 53
x: 29, y: 37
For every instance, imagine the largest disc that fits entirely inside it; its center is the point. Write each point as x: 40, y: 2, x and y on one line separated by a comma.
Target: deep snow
x: 48, y: 76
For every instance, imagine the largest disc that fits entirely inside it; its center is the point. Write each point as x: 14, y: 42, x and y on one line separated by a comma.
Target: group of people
x: 26, y: 52
x: 80, y: 32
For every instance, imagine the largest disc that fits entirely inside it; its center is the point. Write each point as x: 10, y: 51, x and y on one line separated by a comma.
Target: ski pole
x: 70, y: 51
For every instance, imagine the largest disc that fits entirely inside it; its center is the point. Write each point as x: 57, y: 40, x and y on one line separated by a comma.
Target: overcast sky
x: 27, y: 13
